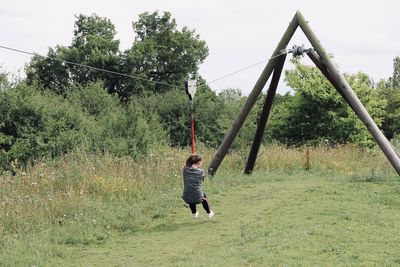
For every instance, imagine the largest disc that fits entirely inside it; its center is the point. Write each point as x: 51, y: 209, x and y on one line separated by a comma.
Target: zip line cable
x: 235, y: 72
x: 283, y: 52
x: 89, y: 67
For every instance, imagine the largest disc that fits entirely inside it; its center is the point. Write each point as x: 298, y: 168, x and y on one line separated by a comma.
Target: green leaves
x: 394, y: 81
x: 316, y: 112
x: 94, y: 45
x: 160, y: 53
x: 37, y: 124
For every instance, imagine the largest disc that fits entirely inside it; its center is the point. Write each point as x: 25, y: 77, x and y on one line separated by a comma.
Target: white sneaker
x: 211, y: 214
x: 195, y: 215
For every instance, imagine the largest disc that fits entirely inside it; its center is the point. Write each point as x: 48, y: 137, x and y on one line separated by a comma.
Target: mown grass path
x: 302, y: 220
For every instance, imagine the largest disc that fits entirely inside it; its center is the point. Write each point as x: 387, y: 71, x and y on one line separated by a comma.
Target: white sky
x: 363, y: 35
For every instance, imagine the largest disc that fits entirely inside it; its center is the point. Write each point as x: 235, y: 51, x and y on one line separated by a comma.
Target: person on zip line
x: 193, y: 194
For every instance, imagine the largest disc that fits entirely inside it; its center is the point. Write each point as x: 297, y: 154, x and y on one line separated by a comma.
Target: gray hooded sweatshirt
x: 192, y: 185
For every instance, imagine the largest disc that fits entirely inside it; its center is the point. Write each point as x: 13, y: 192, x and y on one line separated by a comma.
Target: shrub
x: 37, y: 123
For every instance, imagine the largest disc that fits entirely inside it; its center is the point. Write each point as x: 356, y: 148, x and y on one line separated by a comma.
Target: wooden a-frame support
x: 275, y: 65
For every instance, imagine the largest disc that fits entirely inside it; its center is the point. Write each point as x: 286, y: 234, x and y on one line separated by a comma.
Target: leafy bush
x: 119, y: 130
x: 396, y: 141
x: 318, y: 112
x: 173, y: 111
x: 37, y: 123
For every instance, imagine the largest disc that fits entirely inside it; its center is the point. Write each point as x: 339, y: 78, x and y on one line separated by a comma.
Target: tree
x: 173, y: 109
x: 317, y: 111
x: 39, y: 123
x: 161, y: 53
x: 4, y: 80
x: 93, y: 44
x: 232, y: 103
x: 313, y: 112
x: 375, y: 105
x: 390, y: 91
x: 394, y: 81
x: 391, y: 120
x: 49, y: 72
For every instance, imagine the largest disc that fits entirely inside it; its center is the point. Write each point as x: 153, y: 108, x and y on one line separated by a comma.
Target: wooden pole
x: 230, y: 136
x: 264, y: 116
x: 358, y: 107
x: 308, y: 159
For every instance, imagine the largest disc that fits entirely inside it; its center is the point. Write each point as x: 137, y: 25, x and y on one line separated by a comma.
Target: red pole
x: 193, y: 146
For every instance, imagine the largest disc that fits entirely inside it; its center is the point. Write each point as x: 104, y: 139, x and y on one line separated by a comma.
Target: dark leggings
x: 204, y: 203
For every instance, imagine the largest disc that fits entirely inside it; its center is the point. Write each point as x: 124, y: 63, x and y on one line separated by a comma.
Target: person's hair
x: 192, y: 159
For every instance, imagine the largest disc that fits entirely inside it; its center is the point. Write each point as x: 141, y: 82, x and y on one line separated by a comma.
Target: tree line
x: 61, y: 107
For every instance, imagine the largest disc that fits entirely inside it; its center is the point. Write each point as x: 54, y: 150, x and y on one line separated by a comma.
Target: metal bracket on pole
x: 299, y: 50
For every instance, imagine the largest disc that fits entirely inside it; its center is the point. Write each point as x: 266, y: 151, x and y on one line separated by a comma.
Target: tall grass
x: 82, y: 199
x: 343, y: 160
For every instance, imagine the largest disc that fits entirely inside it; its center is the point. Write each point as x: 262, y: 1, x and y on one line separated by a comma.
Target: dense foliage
x: 316, y: 112
x: 390, y: 90
x: 62, y: 107
x: 160, y: 54
x: 37, y: 123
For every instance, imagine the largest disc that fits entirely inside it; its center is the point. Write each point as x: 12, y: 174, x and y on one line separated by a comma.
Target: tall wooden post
x: 230, y: 136
x: 350, y: 96
x: 264, y: 116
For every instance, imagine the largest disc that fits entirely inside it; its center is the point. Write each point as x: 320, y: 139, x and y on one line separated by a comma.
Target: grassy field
x: 285, y: 221
x: 85, y: 210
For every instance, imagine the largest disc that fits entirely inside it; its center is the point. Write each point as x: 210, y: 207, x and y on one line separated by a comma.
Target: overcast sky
x: 363, y: 35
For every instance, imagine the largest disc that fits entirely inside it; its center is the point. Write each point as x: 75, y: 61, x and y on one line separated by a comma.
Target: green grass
x: 88, y: 210
x: 297, y: 220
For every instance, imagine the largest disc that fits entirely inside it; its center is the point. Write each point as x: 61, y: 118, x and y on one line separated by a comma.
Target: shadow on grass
x: 170, y: 227
x: 368, y: 178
